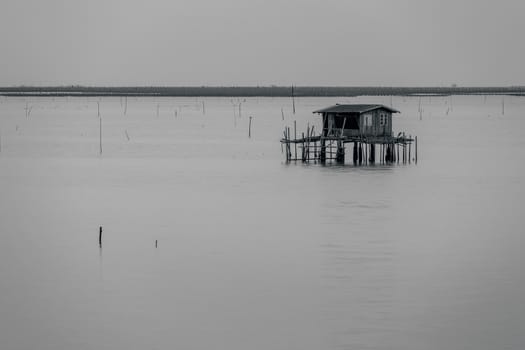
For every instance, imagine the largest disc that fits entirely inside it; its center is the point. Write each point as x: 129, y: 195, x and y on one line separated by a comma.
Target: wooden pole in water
x: 98, y: 108
x: 125, y: 104
x: 100, y: 133
x: 100, y: 236
x: 416, y: 150
x: 156, y: 243
x: 397, y: 153
x: 285, y: 143
x: 250, y: 128
x: 355, y: 153
x: 289, y: 147
x: 303, y: 152
x: 282, y: 113
x: 360, y: 154
x: 393, y: 146
x: 293, y: 100
x: 409, y: 149
x: 295, y: 137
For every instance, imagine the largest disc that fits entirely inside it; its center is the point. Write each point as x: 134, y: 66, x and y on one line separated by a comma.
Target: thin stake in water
x: 100, y: 134
x: 293, y: 100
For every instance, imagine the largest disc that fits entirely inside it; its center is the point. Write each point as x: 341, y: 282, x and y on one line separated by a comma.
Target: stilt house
x: 361, y: 120
x: 368, y: 127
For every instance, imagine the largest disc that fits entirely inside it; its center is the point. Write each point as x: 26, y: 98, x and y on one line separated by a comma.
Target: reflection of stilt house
x: 368, y: 127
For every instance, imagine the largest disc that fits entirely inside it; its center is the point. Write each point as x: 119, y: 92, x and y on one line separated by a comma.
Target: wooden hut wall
x: 371, y: 123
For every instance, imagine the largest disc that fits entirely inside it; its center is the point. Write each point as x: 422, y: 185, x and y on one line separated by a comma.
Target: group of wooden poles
x: 366, y: 150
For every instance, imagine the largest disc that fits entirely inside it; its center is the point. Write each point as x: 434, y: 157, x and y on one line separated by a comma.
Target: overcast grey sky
x: 262, y: 42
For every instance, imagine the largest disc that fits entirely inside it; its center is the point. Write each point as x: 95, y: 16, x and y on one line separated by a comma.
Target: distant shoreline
x: 255, y: 91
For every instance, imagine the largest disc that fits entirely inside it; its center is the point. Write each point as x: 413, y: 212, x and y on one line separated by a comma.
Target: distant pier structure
x: 366, y: 127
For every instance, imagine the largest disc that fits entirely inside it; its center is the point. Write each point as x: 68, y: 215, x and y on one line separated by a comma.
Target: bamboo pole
x: 409, y: 149
x: 308, y: 142
x: 100, y: 236
x: 303, y: 152
x: 250, y: 129
x: 416, y: 149
x: 295, y: 137
x: 100, y: 134
x: 289, y: 147
x: 293, y: 100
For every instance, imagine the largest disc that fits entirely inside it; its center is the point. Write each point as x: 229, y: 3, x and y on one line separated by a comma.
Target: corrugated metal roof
x: 354, y: 109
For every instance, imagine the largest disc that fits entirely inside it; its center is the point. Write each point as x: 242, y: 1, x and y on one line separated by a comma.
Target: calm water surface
x: 254, y: 253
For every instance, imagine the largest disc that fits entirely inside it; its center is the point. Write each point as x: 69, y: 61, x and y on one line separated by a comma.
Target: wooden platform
x: 366, y: 150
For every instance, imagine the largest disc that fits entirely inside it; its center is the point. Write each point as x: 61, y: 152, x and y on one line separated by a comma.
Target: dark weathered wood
x: 415, y: 149
x: 100, y: 236
x: 409, y: 151
x: 360, y: 154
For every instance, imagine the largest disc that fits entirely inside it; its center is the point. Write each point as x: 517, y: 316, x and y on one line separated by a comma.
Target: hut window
x: 382, y: 119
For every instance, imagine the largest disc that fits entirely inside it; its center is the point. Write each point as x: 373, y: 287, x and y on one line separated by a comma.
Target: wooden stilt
x: 355, y: 153
x: 409, y: 150
x: 295, y: 137
x: 360, y: 155
x: 416, y: 149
